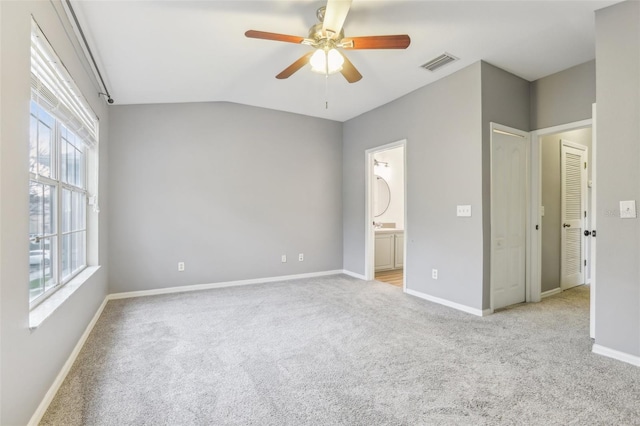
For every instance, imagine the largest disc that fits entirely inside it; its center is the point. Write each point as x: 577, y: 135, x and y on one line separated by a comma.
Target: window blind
x: 53, y: 88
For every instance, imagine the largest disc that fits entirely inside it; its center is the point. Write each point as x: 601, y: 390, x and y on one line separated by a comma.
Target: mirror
x: 383, y: 197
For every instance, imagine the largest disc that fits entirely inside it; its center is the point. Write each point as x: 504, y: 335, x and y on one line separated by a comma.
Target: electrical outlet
x: 464, y: 211
x: 180, y: 266
x: 434, y: 274
x: 300, y: 257
x: 284, y: 258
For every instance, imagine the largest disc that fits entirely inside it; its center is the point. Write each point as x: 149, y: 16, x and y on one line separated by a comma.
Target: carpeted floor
x: 339, y: 351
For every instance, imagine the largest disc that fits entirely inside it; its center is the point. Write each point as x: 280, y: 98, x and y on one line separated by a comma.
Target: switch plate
x: 464, y: 211
x: 300, y: 257
x: 628, y: 209
x: 541, y: 210
x: 434, y: 274
x: 180, y: 266
x: 284, y: 258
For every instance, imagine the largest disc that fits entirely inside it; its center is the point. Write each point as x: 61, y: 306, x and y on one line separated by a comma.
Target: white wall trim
x: 354, y: 275
x: 450, y: 304
x: 197, y: 287
x: 617, y: 355
x: 550, y: 292
x: 51, y: 393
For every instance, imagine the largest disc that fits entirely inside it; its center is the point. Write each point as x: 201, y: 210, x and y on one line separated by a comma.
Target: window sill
x: 53, y: 302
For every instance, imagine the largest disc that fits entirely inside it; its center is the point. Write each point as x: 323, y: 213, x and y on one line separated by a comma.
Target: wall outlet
x: 180, y: 266
x: 434, y: 274
x: 464, y: 211
x: 300, y: 257
x: 284, y: 258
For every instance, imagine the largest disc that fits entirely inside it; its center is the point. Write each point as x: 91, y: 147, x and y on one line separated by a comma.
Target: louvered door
x: 573, y: 201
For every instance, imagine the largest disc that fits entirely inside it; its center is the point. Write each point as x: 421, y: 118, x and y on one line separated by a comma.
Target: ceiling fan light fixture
x: 326, y: 61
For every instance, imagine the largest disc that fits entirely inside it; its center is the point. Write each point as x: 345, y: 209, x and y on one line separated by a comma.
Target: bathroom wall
x: 394, y: 175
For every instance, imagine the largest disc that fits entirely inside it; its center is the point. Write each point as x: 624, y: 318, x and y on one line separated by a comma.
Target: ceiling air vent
x: 439, y: 62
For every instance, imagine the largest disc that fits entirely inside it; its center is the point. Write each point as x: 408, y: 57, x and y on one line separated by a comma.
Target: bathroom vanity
x: 389, y: 249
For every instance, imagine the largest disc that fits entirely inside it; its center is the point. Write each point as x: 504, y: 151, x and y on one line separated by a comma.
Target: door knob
x: 587, y: 233
x: 566, y: 225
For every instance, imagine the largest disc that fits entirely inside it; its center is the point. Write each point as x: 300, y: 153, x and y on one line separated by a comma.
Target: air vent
x: 439, y: 62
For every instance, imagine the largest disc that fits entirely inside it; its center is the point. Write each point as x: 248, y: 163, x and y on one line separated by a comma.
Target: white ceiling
x: 195, y: 51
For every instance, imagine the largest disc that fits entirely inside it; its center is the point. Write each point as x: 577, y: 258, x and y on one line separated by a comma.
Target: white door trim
x: 592, y: 226
x: 536, y: 198
x: 369, y: 232
x: 499, y: 128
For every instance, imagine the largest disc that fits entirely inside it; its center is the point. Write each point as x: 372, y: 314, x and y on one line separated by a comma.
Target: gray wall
x: 551, y: 200
x: 618, y: 176
x: 30, y: 360
x: 442, y: 123
x: 505, y: 100
x: 225, y: 188
x: 563, y: 97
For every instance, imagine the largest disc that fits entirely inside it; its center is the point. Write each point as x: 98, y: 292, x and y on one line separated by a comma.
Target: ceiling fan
x: 326, y: 37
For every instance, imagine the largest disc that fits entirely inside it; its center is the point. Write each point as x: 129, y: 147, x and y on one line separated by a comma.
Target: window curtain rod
x: 86, y: 45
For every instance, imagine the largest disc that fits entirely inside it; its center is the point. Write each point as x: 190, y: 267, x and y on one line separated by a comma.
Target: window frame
x: 55, y: 180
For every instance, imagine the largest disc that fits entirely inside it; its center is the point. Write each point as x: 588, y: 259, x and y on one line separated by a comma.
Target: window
x: 63, y: 133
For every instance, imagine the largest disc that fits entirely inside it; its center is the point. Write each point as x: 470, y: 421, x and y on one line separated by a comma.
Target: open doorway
x: 554, y: 268
x: 386, y: 213
x: 564, y: 210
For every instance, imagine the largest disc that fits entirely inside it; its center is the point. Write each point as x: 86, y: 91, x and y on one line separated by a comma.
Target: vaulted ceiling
x: 195, y: 51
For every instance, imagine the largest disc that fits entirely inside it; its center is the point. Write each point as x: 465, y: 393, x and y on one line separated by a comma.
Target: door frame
x: 369, y: 231
x: 536, y: 202
x: 495, y: 127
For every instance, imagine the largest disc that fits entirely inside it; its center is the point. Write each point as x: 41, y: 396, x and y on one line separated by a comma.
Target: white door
x: 573, y: 175
x: 508, y: 216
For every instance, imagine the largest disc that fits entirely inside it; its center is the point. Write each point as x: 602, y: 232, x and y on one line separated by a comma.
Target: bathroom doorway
x: 386, y: 205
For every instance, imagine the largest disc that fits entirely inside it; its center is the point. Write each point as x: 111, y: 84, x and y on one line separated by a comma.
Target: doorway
x: 546, y: 209
x: 386, y: 213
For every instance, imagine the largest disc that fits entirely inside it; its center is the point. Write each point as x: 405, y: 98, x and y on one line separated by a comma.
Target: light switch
x: 464, y: 211
x: 541, y: 210
x: 628, y: 209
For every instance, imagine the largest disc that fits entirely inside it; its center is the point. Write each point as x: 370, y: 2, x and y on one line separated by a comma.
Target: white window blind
x: 54, y: 89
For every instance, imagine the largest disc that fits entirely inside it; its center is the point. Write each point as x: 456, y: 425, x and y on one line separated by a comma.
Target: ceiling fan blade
x: 349, y: 71
x: 335, y: 14
x: 287, y: 72
x: 400, y: 41
x: 274, y: 36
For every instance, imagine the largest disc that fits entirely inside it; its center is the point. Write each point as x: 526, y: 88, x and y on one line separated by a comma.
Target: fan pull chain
x: 326, y: 91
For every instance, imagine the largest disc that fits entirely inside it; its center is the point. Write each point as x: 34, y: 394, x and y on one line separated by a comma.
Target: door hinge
x: 585, y: 164
x: 585, y: 214
x: 585, y: 262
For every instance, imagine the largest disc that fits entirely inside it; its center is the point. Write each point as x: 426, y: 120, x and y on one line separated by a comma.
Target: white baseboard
x: 550, y: 292
x: 210, y: 286
x: 354, y: 275
x: 450, y: 304
x: 612, y: 353
x: 51, y: 393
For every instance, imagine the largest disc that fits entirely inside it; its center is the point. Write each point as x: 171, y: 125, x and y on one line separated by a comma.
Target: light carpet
x: 340, y: 351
